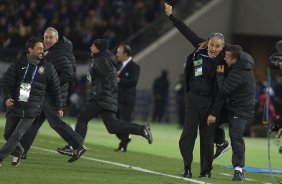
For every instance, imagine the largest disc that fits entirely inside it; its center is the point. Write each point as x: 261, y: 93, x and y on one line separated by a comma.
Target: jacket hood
x: 63, y: 44
x: 245, y: 62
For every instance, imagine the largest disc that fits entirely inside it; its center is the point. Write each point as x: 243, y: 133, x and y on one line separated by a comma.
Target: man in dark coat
x: 239, y: 86
x: 203, y: 104
x: 59, y: 53
x: 24, y: 86
x: 102, y: 98
x: 128, y: 74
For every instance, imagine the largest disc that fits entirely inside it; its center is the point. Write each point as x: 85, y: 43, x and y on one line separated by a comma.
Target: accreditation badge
x: 24, y: 92
x: 198, y: 66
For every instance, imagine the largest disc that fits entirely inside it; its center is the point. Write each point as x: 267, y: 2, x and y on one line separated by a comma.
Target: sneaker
x: 187, y: 173
x: 16, y: 161
x: 77, y: 154
x: 67, y: 150
x: 221, y: 149
x: 123, y: 145
x: 238, y: 176
x: 147, y: 133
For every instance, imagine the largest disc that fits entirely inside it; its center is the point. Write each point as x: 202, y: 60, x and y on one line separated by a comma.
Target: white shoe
x: 16, y: 161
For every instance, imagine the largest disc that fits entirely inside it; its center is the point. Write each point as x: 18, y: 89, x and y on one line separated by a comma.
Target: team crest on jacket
x: 41, y: 70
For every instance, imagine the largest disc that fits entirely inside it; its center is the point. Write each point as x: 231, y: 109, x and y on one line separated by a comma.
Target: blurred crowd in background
x: 79, y: 20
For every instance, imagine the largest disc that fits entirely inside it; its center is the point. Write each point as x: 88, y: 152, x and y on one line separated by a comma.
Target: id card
x: 24, y: 92
x: 198, y: 66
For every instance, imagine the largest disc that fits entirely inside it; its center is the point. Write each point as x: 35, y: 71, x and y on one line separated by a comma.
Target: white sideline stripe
x: 127, y: 166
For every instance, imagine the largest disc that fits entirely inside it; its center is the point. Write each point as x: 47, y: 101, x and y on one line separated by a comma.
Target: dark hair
x: 235, y: 50
x: 30, y: 43
x: 126, y: 49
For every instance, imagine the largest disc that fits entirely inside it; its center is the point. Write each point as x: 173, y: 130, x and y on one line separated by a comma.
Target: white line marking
x: 127, y: 166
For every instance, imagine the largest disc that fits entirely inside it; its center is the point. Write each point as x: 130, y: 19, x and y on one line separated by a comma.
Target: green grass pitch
x: 159, y: 163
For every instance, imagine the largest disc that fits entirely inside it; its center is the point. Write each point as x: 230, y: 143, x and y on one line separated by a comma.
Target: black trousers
x: 219, y: 134
x: 197, y: 111
x: 125, y: 113
x: 64, y: 130
x: 113, y: 125
x: 236, y: 129
x: 14, y: 130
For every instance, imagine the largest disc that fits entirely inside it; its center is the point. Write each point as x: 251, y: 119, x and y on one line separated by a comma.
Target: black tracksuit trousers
x: 113, y: 125
x: 197, y: 111
x: 63, y: 129
x: 236, y: 130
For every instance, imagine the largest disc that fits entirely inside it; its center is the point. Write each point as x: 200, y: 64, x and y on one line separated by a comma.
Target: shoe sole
x: 221, y: 154
x: 65, y: 153
x: 150, y: 141
x: 72, y: 160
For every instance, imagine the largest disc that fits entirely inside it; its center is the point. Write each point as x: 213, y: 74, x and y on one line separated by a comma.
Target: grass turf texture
x: 162, y: 156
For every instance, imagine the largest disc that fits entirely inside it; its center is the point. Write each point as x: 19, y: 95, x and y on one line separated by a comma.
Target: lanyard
x: 33, y: 73
x: 194, y: 55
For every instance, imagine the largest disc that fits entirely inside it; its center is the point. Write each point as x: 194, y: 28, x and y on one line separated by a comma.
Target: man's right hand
x: 168, y: 9
x: 9, y: 102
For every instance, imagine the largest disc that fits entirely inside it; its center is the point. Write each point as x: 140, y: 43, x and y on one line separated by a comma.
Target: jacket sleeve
x: 65, y: 70
x: 134, y: 72
x: 229, y: 85
x: 53, y: 85
x: 191, y: 36
x: 9, y: 82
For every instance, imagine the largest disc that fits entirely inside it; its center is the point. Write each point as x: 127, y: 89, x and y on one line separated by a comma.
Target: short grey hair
x: 217, y: 35
x: 54, y: 30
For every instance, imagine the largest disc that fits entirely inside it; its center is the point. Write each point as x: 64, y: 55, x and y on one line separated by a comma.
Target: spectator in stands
x: 160, y: 96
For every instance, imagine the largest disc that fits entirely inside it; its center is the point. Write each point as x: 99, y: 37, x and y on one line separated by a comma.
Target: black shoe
x: 67, y: 150
x: 238, y: 176
x: 280, y: 150
x: 147, y: 133
x: 187, y: 173
x: 16, y: 160
x: 77, y: 154
x: 24, y: 157
x: 205, y: 175
x: 123, y: 145
x: 221, y: 149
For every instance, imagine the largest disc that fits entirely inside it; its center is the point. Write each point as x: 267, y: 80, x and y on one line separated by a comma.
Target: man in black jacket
x: 24, y: 86
x: 103, y: 99
x: 240, y: 88
x: 59, y: 53
x: 128, y: 74
x: 203, y: 105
